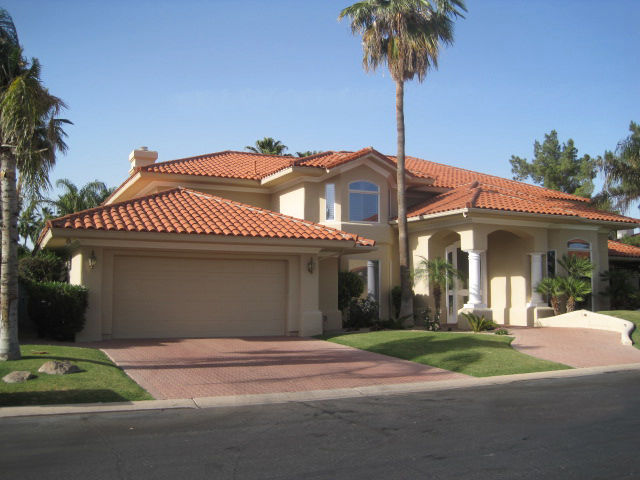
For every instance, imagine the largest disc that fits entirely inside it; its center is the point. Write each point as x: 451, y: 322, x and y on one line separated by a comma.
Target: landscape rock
x: 54, y: 367
x: 18, y: 376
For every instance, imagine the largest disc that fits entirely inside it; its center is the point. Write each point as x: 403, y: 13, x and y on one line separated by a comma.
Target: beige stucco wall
x: 328, y: 300
x: 508, y: 268
x: 290, y: 201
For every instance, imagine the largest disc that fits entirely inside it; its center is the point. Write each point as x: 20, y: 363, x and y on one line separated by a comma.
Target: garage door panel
x: 188, y: 297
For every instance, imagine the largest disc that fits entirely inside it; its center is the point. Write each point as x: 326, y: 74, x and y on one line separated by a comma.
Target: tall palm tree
x: 30, y: 136
x: 268, y: 146
x: 622, y: 170
x: 73, y: 199
x: 406, y: 35
x: 438, y: 272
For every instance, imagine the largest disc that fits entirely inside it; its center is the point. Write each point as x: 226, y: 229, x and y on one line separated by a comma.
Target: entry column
x: 536, y: 278
x: 475, y: 280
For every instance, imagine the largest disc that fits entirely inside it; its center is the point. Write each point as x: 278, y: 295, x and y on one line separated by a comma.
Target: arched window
x: 364, y: 202
x: 579, y: 248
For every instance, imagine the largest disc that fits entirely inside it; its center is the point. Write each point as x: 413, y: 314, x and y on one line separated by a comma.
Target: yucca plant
x: 577, y: 267
x: 576, y: 289
x: 478, y: 323
x: 550, y: 287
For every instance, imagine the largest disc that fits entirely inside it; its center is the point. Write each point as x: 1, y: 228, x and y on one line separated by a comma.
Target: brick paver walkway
x: 189, y: 368
x: 576, y: 347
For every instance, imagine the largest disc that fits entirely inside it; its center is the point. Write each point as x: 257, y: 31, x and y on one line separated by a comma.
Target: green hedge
x: 56, y: 308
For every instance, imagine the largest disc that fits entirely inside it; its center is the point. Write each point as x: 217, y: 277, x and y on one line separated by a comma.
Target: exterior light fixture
x: 310, y: 265
x: 92, y: 260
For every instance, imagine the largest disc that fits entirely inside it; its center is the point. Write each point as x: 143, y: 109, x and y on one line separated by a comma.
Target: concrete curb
x: 308, y: 396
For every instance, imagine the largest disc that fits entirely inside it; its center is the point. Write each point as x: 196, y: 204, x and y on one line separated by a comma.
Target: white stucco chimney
x: 141, y: 157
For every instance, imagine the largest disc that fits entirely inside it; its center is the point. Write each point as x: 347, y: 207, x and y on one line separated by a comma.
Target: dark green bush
x: 350, y: 285
x: 44, y: 266
x: 57, y: 309
x: 362, y: 313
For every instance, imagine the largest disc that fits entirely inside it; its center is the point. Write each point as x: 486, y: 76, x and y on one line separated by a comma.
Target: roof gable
x: 186, y: 211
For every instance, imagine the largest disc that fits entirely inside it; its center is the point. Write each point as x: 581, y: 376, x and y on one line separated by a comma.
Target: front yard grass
x: 632, y: 316
x: 472, y: 354
x: 99, y: 381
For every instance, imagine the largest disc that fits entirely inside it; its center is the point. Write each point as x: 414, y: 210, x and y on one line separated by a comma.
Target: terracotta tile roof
x: 495, y: 192
x: 186, y: 211
x: 619, y: 249
x: 256, y: 166
x: 227, y: 164
x: 493, y: 197
x: 446, y: 176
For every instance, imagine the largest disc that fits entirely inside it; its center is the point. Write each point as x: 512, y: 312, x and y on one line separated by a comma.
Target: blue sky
x: 192, y: 77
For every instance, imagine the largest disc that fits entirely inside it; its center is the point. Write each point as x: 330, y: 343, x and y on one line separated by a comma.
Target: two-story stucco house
x: 236, y: 243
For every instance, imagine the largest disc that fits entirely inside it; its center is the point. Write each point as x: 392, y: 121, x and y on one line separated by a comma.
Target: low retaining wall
x: 587, y: 319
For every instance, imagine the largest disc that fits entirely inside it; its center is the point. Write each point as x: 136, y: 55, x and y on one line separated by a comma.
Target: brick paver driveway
x: 576, y: 347
x: 204, y: 367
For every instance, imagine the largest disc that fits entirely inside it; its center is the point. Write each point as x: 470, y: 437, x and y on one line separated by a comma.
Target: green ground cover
x: 479, y: 355
x: 99, y: 381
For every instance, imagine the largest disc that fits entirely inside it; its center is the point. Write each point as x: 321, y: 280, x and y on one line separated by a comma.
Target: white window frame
x: 365, y: 192
x: 333, y: 202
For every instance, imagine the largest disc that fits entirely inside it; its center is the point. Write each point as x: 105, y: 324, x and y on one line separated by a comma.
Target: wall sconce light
x: 92, y: 260
x: 310, y: 265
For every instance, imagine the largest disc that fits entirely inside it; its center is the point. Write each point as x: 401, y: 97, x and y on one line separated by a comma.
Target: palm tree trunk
x: 555, y: 304
x: 571, y: 304
x: 406, y: 305
x: 9, y: 346
x: 437, y: 301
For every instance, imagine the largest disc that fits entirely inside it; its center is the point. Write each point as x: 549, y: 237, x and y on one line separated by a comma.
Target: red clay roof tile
x: 187, y: 211
x: 494, y: 197
x: 496, y: 193
x: 619, y: 249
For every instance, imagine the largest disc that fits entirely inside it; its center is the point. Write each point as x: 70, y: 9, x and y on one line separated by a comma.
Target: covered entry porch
x: 501, y: 262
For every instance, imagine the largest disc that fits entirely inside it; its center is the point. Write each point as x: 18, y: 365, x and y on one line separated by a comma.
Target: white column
x: 536, y: 277
x: 371, y: 278
x: 475, y: 280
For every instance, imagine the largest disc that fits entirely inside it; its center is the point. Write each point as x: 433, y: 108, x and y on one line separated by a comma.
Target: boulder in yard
x: 54, y: 367
x: 19, y: 376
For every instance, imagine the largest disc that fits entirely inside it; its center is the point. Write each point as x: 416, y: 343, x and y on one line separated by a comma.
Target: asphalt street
x: 569, y: 428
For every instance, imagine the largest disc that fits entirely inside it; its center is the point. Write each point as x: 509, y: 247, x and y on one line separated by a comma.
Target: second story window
x: 363, y: 202
x: 330, y: 201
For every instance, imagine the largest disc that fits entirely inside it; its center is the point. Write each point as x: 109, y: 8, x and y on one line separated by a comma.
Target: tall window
x: 363, y: 202
x: 330, y: 201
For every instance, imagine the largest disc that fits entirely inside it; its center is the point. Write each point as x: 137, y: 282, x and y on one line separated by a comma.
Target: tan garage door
x: 158, y: 297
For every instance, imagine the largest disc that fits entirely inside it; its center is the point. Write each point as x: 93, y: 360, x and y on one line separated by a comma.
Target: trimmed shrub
x: 57, y: 309
x: 350, y: 285
x: 45, y: 266
x: 362, y: 313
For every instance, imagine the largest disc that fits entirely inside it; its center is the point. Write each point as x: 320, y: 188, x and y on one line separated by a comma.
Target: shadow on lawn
x: 463, y: 350
x: 59, y: 397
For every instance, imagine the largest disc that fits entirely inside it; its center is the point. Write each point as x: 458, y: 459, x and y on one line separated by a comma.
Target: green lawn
x: 632, y: 316
x: 472, y: 354
x: 99, y: 381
